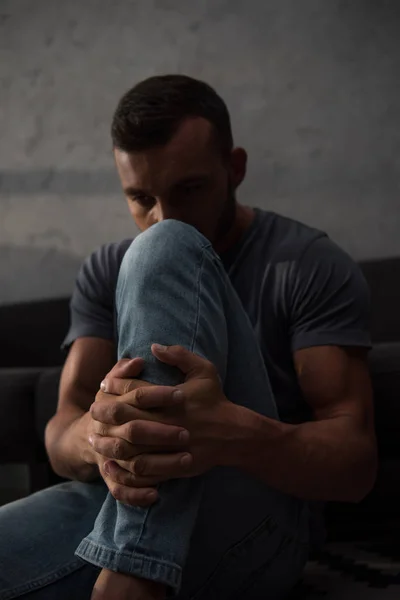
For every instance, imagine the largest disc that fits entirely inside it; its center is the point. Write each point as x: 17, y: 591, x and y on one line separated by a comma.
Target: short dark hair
x: 150, y: 113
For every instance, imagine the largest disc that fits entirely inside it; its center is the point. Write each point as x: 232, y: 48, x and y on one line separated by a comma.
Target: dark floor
x: 353, y: 571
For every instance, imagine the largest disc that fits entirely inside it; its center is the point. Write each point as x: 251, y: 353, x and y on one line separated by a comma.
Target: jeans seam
x: 198, y: 285
x: 142, y: 566
x: 165, y: 563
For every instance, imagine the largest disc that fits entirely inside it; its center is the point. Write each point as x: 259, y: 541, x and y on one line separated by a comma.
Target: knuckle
x: 139, y: 394
x: 116, y: 490
x: 133, y: 430
x: 118, y: 448
x: 91, y: 428
x: 119, y: 478
x: 95, y: 441
x: 127, y: 387
x: 211, y: 368
x: 101, y: 429
x: 105, y: 475
x: 129, y: 480
x: 115, y: 411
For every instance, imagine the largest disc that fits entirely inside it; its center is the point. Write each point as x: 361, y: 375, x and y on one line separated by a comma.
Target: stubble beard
x: 228, y: 216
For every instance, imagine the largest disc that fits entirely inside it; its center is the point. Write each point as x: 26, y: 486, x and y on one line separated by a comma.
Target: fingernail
x: 184, y: 436
x: 177, y: 396
x: 186, y: 460
x: 160, y: 347
x: 90, y: 438
x: 103, y: 386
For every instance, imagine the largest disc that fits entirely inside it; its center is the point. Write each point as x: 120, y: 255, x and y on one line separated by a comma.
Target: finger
x: 120, y: 386
x: 123, y: 477
x: 145, y: 496
x: 157, y: 396
x: 126, y: 367
x: 134, y: 496
x: 137, y: 496
x: 110, y: 447
x: 144, y: 397
x: 189, y: 363
x: 113, y: 412
x: 165, y: 466
x: 146, y: 433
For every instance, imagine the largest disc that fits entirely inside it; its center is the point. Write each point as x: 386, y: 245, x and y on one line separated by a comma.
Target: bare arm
x: 334, y: 457
x: 70, y: 454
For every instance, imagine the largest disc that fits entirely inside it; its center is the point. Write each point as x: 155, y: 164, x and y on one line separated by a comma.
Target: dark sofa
x: 31, y: 362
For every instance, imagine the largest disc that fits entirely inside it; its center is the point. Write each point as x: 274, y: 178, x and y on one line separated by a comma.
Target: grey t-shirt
x: 298, y: 288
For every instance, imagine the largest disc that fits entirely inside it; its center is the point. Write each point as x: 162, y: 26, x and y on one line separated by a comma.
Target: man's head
x: 174, y: 153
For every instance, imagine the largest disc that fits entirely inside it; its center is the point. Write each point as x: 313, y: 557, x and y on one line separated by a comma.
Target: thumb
x: 126, y: 367
x: 189, y: 363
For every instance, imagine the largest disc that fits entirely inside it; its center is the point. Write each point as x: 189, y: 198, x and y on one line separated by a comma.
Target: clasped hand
x: 144, y: 434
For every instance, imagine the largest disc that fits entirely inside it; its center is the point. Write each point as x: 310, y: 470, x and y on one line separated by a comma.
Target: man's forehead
x: 191, y: 150
x: 193, y: 134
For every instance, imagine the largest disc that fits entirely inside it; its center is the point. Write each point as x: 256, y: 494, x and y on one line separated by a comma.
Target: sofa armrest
x: 18, y: 440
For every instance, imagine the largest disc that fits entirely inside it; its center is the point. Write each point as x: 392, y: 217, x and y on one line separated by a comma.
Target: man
x: 211, y: 495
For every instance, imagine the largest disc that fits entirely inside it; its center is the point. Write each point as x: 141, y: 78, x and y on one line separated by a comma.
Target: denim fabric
x: 223, y: 535
x: 173, y: 289
x: 38, y: 536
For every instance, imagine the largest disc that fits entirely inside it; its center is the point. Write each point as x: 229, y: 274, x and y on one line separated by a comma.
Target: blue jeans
x: 221, y: 535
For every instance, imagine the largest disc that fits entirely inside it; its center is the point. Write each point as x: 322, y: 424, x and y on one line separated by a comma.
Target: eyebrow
x: 192, y: 179
x: 132, y: 191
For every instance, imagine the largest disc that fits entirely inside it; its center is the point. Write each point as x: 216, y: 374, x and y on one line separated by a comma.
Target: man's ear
x: 238, y: 165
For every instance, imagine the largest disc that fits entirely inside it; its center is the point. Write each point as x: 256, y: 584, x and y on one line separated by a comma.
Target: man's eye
x: 193, y: 188
x: 144, y: 201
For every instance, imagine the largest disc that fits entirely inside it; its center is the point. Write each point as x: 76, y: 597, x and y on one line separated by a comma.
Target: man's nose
x: 164, y: 211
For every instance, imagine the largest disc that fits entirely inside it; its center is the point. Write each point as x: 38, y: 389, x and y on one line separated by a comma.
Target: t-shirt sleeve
x: 330, y: 301
x: 92, y: 302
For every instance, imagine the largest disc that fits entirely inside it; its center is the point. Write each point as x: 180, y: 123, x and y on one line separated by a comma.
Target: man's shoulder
x: 283, y: 238
x: 98, y: 274
x: 291, y: 251
x: 113, y: 252
x: 106, y: 259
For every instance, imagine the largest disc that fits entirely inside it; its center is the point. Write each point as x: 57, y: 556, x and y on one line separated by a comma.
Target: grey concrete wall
x: 313, y: 88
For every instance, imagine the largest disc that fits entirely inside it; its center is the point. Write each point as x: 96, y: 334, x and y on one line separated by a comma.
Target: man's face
x: 187, y: 180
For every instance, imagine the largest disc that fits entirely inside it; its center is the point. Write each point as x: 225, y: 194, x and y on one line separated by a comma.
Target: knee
x: 167, y: 247
x: 172, y: 234
x: 166, y: 242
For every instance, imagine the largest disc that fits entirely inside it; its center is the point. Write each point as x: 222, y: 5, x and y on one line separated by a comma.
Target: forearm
x: 70, y: 454
x: 320, y: 460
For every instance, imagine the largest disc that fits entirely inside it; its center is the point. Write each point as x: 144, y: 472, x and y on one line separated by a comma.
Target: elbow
x: 49, y: 438
x: 365, y: 478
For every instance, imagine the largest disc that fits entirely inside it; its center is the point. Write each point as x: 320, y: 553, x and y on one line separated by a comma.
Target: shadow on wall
x: 28, y: 273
